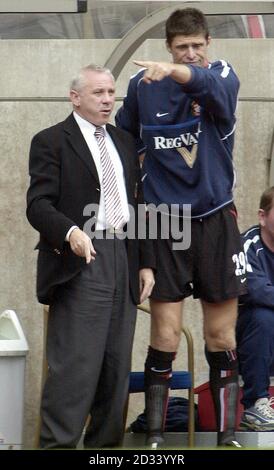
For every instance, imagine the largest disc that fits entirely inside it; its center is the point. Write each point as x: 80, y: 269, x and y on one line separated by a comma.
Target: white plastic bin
x: 13, y: 350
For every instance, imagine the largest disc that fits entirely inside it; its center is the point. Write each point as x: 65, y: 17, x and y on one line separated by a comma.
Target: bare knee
x: 218, y: 339
x: 166, y: 324
x: 165, y: 338
x: 219, y: 325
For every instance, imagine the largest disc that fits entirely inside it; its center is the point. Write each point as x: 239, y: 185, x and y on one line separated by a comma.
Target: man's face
x: 266, y: 220
x: 189, y: 50
x: 95, y: 101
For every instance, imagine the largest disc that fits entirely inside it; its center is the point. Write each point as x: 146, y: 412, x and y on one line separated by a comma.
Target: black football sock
x: 223, y: 378
x: 158, y: 374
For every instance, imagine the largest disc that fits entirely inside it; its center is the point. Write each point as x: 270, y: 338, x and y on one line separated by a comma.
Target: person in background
x: 92, y: 280
x: 182, y: 115
x: 255, y: 325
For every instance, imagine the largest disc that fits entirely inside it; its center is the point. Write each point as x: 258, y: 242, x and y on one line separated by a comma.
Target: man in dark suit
x: 91, y: 281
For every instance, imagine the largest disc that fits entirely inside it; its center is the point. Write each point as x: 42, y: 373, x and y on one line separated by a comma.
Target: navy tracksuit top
x: 187, y: 134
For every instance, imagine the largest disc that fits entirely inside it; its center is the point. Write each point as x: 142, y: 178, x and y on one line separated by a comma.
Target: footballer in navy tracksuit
x: 187, y: 132
x: 182, y: 115
x: 255, y: 326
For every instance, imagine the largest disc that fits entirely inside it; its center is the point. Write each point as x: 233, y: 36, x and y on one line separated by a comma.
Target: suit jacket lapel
x: 79, y: 145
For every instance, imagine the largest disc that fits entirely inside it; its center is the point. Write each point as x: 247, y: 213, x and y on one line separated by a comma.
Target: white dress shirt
x: 88, y: 130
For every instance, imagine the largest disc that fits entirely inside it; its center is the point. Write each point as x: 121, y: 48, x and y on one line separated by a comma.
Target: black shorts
x: 212, y: 268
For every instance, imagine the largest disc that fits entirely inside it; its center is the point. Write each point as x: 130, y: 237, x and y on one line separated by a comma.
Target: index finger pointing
x: 142, y: 63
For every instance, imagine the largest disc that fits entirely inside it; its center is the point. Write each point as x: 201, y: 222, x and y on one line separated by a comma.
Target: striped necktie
x: 113, y: 206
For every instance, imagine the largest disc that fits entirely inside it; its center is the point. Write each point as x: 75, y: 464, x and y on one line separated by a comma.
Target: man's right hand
x: 82, y: 245
x: 156, y: 71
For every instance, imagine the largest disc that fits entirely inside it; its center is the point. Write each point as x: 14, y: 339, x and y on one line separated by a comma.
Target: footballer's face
x: 189, y: 50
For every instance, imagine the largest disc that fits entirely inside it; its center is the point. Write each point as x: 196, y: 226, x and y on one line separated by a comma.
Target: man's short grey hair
x: 79, y: 80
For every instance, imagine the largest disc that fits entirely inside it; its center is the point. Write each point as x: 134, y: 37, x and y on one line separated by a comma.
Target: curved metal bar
x: 134, y: 38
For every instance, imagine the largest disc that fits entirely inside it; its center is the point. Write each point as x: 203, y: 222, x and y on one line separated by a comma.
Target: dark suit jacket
x: 64, y: 181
